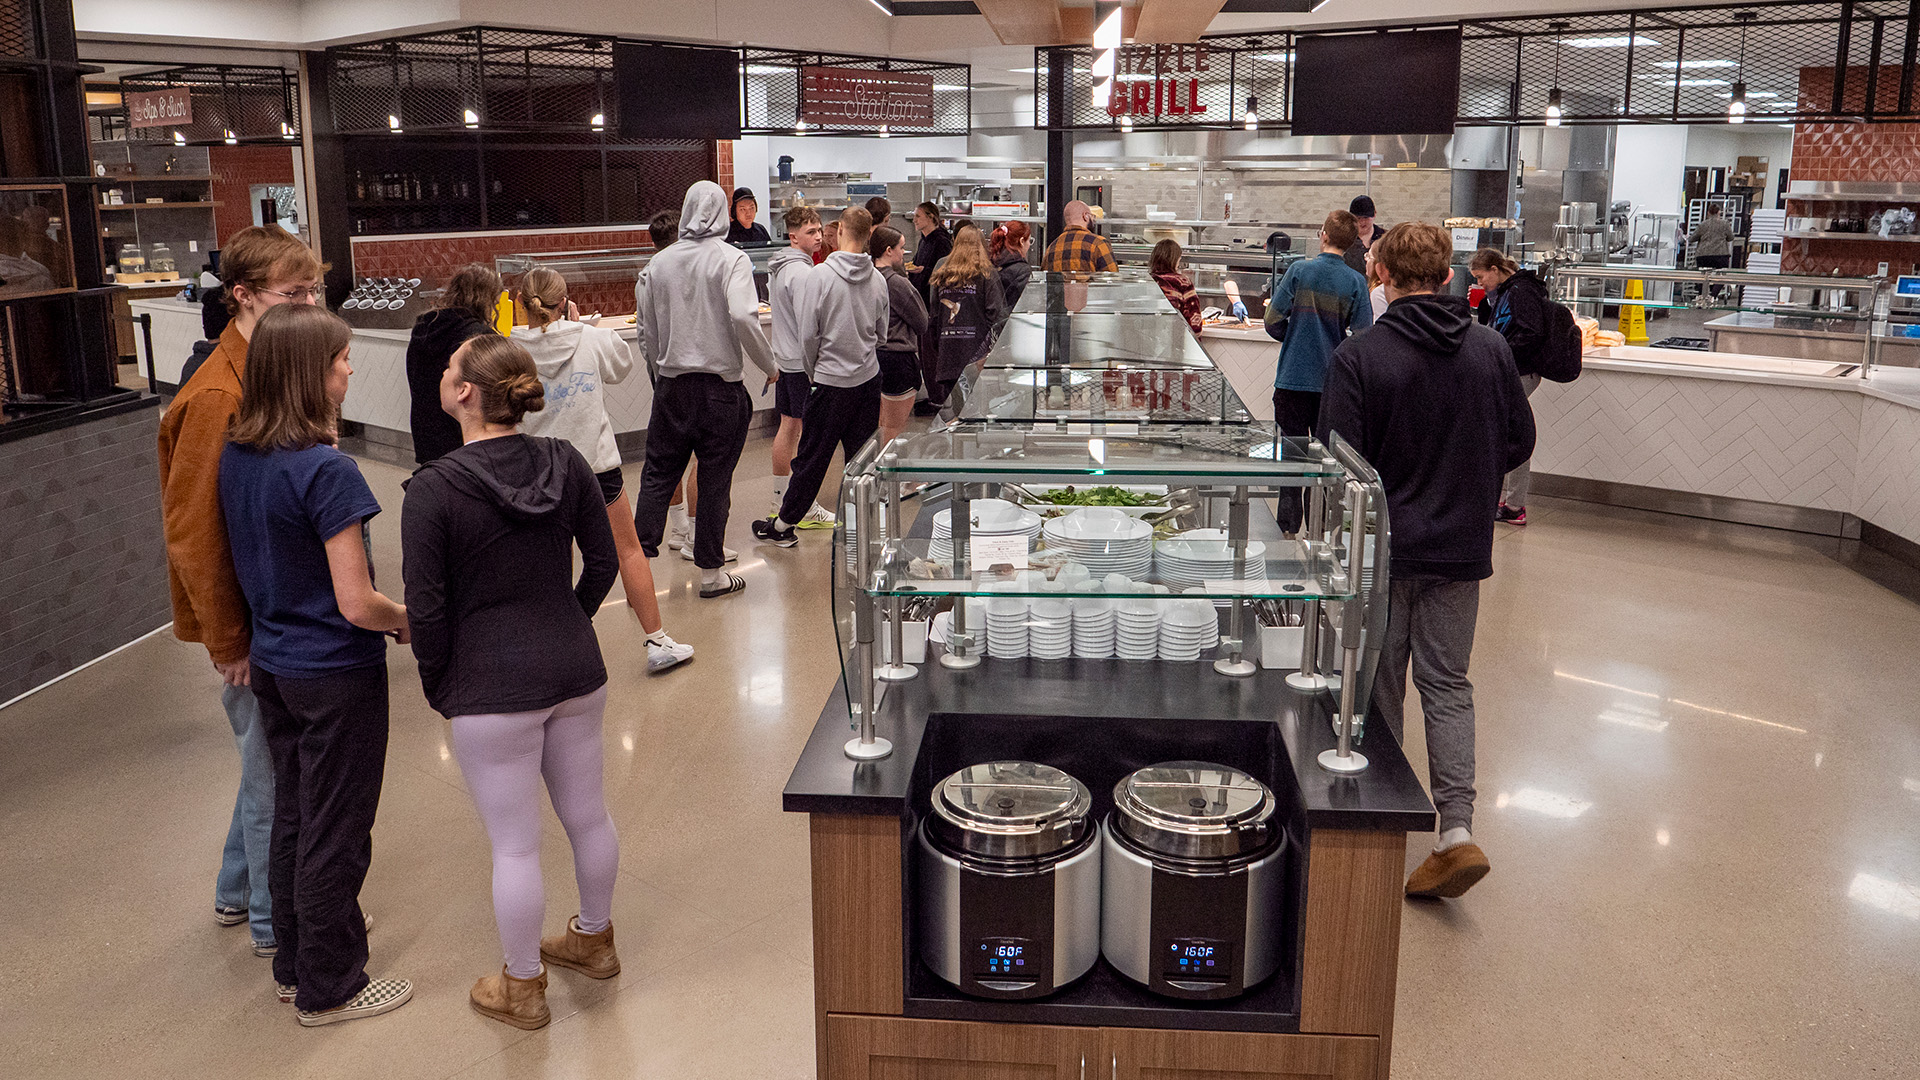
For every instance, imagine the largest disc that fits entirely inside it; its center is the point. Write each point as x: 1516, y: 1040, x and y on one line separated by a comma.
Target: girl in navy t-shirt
x: 296, y: 510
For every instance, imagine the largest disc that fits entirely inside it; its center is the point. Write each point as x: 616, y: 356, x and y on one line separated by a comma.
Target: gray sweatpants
x: 1430, y: 622
x: 1514, y: 489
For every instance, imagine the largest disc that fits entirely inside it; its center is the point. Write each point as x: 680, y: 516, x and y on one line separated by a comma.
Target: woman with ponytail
x: 504, y: 637
x: 576, y: 362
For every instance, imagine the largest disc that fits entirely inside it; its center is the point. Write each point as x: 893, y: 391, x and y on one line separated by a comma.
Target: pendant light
x: 1253, y: 114
x: 1737, y: 101
x: 1553, y: 95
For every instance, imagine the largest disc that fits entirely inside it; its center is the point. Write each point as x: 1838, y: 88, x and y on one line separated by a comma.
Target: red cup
x: 1475, y: 294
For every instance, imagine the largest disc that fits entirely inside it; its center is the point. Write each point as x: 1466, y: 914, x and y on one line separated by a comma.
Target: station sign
x: 1158, y: 81
x: 865, y: 98
x: 160, y: 108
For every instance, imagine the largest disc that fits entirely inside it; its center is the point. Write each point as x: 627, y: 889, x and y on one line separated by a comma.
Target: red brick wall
x: 723, y: 164
x: 1877, y: 153
x: 235, y: 170
x: 434, y: 258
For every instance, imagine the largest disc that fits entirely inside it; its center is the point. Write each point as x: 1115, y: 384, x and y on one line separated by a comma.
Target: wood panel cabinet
x: 893, y: 1048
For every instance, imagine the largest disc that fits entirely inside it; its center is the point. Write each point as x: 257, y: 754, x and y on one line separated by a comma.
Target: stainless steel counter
x: 1830, y: 341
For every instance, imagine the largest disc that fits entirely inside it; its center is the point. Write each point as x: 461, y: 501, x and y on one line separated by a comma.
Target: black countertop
x: 1387, y: 796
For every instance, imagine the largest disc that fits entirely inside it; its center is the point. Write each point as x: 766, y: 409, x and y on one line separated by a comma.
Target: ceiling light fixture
x: 286, y: 130
x: 393, y: 124
x: 1106, y: 42
x: 179, y: 139
x: 884, y: 10
x: 1737, y: 101
x: 1126, y: 123
x: 470, y: 118
x: 598, y: 122
x: 1253, y: 114
x: 227, y: 136
x: 884, y: 133
x: 1637, y: 40
x: 1553, y: 94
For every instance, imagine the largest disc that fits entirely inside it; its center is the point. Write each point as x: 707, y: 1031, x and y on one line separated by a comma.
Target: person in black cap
x: 745, y: 209
x: 1362, y: 210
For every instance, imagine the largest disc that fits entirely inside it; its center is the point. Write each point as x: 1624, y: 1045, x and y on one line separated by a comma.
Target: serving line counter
x: 378, y: 399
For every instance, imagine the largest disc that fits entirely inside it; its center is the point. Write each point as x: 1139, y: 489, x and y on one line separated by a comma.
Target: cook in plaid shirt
x: 1078, y: 249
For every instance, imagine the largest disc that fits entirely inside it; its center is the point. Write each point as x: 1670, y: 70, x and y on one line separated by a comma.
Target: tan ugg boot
x: 520, y: 1002
x: 1448, y: 873
x: 591, y: 955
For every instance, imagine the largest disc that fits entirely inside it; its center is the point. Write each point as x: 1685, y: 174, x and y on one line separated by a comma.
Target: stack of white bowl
x: 1094, y: 626
x: 1050, y: 628
x: 1007, y: 626
x: 1187, y: 561
x: 990, y: 517
x: 1139, y: 628
x: 1188, y: 628
x: 1104, y: 539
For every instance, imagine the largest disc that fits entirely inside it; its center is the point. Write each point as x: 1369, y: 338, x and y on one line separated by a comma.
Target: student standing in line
x: 1007, y: 247
x: 576, y: 363
x: 701, y: 315
x: 881, y: 211
x: 1078, y: 249
x: 262, y: 268
x: 1517, y: 304
x: 296, y: 512
x: 786, y: 278
x: 663, y: 229
x: 742, y: 229
x: 1377, y: 288
x: 1317, y: 304
x: 967, y: 310
x: 907, y: 325
x: 1365, y: 233
x: 1432, y: 401
x: 844, y: 320
x: 466, y: 310
x: 507, y: 652
x: 1165, y: 264
x: 935, y: 244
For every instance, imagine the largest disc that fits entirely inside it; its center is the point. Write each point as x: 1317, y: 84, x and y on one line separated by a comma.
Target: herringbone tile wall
x: 1887, y: 490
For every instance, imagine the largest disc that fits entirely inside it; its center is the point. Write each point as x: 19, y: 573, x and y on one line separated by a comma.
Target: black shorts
x: 790, y: 394
x: 611, y: 484
x: 899, y: 373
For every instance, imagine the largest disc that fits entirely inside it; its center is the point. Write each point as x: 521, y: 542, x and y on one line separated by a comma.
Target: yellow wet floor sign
x: 1633, y: 319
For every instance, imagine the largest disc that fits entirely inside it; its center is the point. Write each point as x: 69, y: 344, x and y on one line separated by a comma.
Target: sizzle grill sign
x: 1158, y: 81
x: 160, y: 108
x: 865, y: 98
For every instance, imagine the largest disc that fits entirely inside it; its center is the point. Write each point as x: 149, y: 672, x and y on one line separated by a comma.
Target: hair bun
x: 526, y: 393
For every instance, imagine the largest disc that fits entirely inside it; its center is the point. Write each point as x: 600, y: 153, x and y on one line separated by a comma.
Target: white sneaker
x: 677, y: 540
x: 817, y: 518
x: 661, y: 656
x: 730, y: 555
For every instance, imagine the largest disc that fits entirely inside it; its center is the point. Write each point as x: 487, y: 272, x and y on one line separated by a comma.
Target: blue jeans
x: 243, y: 865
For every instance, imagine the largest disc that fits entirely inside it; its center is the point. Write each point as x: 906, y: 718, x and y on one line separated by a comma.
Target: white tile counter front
x: 1250, y: 359
x: 377, y: 397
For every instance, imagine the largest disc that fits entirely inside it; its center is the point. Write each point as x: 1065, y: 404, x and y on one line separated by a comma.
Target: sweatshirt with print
x: 576, y: 363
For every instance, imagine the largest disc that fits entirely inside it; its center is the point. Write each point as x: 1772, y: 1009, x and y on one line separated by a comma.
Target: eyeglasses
x: 298, y: 296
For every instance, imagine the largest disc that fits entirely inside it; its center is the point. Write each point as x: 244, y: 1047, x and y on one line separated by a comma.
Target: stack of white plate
x: 1188, y: 561
x: 1139, y: 629
x: 1094, y: 627
x: 1188, y: 628
x: 1007, y: 619
x: 1103, y: 539
x: 1050, y: 629
x: 990, y: 517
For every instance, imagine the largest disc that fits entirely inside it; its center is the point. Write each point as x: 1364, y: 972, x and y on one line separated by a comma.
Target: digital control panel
x: 1197, y: 960
x: 1008, y: 959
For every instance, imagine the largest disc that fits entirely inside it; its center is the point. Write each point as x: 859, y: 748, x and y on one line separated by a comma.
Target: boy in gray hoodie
x: 843, y: 320
x: 701, y: 313
x: 786, y: 275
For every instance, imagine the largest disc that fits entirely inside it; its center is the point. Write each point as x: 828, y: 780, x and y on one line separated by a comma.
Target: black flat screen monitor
x: 677, y: 91
x: 1405, y: 83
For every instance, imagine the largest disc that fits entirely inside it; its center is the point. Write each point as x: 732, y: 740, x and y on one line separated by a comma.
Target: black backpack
x: 1560, y: 356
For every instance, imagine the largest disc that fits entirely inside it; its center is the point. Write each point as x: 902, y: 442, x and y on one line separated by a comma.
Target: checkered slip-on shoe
x: 285, y: 993
x: 380, y: 996
x: 229, y: 916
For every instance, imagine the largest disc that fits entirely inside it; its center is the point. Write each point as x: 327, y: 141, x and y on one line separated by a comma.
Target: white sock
x: 658, y: 637
x: 781, y: 523
x: 689, y: 530
x: 677, y: 519
x: 1452, y: 838
x: 710, y: 577
x: 779, y: 487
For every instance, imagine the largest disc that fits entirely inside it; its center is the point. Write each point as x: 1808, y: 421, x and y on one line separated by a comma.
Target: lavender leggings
x: 503, y: 756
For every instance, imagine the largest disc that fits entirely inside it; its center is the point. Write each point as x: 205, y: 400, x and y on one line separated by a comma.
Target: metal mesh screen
x: 476, y: 79
x: 244, y: 104
x: 771, y: 89
x: 19, y: 37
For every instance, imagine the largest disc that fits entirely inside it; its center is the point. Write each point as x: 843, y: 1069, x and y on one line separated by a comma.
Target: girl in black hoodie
x: 507, y: 652
x: 465, y: 311
x: 968, y: 309
x: 1516, y: 307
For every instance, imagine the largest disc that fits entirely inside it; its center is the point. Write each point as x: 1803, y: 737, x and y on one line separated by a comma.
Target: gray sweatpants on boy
x: 1430, y: 622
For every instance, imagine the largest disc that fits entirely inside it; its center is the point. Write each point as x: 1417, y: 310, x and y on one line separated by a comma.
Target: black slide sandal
x: 728, y: 583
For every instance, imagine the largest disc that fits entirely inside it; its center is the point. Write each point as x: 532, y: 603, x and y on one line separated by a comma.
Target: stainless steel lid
x: 1010, y: 810
x: 1195, y: 810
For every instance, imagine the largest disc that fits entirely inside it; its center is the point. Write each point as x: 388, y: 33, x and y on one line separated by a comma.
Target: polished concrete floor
x: 1700, y: 790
